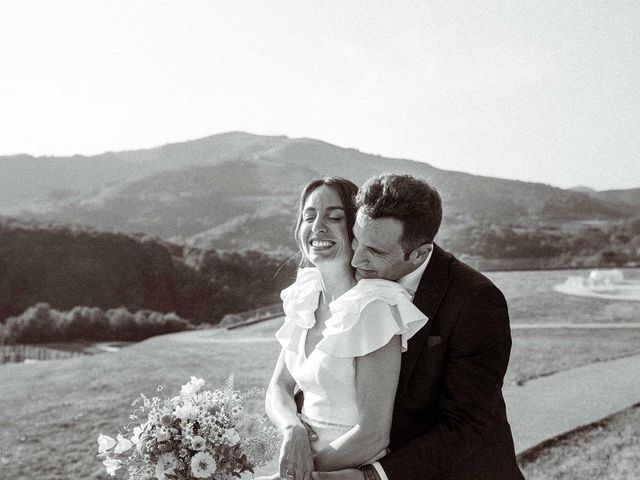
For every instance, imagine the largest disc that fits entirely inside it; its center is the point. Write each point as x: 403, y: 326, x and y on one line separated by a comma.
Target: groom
x: 449, y: 419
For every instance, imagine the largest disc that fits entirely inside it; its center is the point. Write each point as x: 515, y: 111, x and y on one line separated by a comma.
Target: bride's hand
x: 296, y: 460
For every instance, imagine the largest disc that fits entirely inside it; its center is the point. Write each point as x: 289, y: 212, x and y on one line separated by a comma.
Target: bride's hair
x: 346, y: 190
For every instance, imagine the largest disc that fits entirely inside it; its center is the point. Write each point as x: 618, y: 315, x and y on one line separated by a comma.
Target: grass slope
x: 605, y: 449
x: 53, y: 411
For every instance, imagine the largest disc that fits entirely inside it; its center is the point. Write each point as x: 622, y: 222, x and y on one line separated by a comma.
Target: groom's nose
x: 359, y: 257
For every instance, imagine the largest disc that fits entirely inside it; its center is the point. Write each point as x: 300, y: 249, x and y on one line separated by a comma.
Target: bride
x: 341, y: 345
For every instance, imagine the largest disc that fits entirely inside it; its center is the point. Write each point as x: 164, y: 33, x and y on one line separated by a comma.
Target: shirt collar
x: 411, y: 280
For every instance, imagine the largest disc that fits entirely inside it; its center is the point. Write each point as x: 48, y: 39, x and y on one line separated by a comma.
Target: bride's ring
x: 291, y: 475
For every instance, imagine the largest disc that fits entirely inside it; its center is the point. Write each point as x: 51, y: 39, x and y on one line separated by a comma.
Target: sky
x: 544, y: 91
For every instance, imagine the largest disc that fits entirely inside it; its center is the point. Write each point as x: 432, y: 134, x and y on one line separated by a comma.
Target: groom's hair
x: 408, y: 199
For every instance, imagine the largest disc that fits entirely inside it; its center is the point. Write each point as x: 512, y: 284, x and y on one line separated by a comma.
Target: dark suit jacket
x: 449, y: 419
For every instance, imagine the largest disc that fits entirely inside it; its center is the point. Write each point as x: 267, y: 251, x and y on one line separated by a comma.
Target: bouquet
x: 197, y: 434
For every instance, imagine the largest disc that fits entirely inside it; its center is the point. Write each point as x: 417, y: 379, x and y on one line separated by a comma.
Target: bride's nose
x: 318, y: 225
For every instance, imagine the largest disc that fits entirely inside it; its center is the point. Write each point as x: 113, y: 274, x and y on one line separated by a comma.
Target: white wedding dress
x: 362, y: 320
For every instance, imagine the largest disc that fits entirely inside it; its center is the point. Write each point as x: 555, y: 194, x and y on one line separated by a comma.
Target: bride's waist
x: 324, y: 424
x: 328, y: 431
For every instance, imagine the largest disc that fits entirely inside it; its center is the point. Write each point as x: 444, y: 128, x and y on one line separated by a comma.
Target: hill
x: 239, y: 191
x: 630, y: 196
x: 69, y: 266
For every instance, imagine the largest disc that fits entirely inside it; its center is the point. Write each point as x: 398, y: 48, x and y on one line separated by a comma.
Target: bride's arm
x: 376, y: 383
x: 295, y: 453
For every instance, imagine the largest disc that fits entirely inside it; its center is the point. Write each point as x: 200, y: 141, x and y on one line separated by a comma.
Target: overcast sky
x: 544, y: 91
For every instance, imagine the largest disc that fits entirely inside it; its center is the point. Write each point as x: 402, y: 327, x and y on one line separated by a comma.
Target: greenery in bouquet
x: 198, y: 434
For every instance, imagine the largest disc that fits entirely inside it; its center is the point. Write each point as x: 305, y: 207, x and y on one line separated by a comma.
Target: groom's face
x: 377, y: 249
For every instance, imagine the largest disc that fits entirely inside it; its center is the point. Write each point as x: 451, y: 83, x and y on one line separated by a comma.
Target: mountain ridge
x: 219, y: 189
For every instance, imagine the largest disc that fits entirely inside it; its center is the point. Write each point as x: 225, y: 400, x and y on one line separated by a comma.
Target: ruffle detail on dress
x: 299, y: 302
x: 366, y: 317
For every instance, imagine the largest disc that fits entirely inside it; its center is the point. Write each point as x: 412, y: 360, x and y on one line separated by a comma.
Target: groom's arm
x: 477, y: 360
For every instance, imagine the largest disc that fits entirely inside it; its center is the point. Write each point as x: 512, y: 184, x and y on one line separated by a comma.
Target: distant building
x: 598, y: 278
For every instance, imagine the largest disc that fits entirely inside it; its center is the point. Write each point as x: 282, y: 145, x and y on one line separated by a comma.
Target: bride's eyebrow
x: 328, y: 209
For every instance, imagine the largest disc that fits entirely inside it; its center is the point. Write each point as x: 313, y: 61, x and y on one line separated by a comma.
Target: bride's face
x: 323, y: 232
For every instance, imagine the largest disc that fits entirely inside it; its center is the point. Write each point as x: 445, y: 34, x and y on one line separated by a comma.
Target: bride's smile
x: 323, y: 232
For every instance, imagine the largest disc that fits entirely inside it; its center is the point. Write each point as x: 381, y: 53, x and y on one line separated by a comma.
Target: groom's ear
x: 421, y: 253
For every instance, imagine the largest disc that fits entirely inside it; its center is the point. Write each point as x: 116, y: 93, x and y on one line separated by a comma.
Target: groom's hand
x: 347, y: 474
x: 313, y: 436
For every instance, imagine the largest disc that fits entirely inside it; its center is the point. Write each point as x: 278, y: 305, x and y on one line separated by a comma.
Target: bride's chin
x: 332, y: 263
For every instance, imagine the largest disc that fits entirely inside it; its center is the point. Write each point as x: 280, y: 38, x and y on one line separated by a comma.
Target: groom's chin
x: 360, y: 274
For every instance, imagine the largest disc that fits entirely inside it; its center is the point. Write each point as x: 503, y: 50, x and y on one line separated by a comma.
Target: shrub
x: 41, y: 323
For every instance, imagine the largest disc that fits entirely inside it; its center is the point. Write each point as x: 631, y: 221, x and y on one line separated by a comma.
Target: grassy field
x: 532, y: 299
x: 53, y: 411
x: 536, y: 353
x: 608, y: 449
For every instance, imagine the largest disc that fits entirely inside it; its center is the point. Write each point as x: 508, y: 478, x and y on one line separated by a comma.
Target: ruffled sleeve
x: 366, y: 317
x: 299, y: 302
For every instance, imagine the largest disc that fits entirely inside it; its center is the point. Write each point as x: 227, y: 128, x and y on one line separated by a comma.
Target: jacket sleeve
x: 471, y: 397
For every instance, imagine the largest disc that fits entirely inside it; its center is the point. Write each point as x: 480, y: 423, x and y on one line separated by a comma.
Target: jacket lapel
x: 429, y: 294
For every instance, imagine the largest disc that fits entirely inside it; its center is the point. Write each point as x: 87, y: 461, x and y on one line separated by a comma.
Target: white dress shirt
x: 410, y: 282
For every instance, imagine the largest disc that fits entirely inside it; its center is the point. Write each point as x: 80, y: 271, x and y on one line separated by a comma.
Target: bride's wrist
x: 292, y: 427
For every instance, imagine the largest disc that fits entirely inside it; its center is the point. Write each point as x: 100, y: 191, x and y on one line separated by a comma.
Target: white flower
x: 160, y: 471
x: 203, y: 465
x: 188, y: 411
x: 191, y: 388
x: 162, y: 434
x: 198, y: 443
x: 167, y: 462
x: 112, y: 465
x: 123, y: 445
x: 105, y: 443
x: 232, y: 436
x: 136, y: 437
